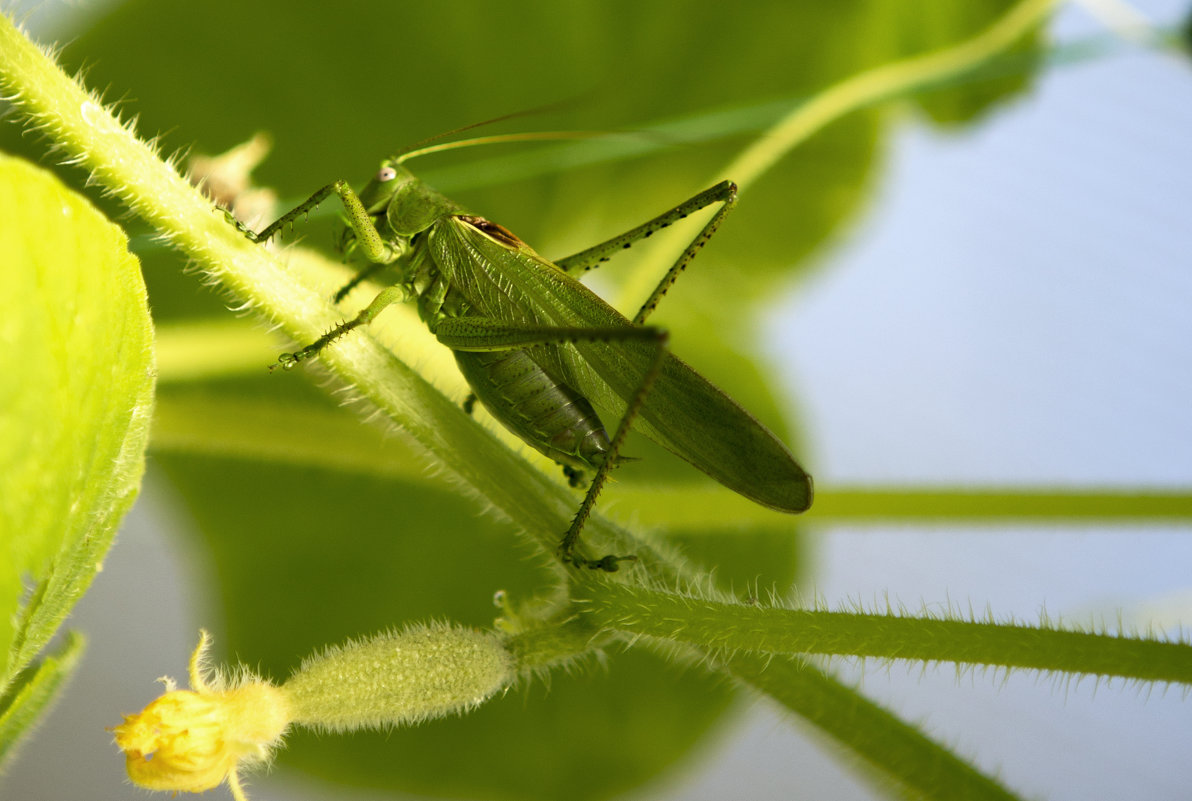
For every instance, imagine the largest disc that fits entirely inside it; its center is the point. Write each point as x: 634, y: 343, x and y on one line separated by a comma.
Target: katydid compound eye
x: 386, y: 174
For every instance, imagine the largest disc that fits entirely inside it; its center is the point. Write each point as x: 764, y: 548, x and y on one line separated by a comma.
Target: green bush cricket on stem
x: 542, y: 352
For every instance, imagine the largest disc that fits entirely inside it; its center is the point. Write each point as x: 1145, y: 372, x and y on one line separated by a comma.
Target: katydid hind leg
x: 744, y: 456
x: 483, y: 334
x: 567, y: 546
x: 724, y: 192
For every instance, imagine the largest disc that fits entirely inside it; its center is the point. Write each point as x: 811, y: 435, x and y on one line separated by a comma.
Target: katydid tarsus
x: 543, y: 352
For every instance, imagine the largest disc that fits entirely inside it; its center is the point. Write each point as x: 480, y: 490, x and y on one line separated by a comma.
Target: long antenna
x: 532, y: 136
x: 417, y: 146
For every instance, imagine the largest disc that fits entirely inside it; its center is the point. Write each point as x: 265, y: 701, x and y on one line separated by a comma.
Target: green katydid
x: 542, y: 352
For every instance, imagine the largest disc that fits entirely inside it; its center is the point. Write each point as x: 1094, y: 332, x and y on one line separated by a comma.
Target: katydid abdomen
x: 545, y: 413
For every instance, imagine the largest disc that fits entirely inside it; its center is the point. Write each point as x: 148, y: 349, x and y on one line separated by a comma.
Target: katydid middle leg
x: 385, y: 298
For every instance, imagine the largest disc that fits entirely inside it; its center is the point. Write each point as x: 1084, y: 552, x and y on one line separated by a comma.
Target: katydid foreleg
x: 372, y: 246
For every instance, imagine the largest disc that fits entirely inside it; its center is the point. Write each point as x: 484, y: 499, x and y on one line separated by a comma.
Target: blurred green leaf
x: 76, y: 393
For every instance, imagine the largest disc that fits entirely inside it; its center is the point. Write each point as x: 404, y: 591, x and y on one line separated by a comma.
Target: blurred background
x: 985, y: 286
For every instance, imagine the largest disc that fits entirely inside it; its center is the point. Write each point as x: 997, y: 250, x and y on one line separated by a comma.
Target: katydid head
x: 378, y: 192
x: 409, y: 205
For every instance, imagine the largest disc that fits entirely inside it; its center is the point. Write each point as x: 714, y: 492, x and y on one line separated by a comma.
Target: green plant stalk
x: 556, y: 643
x: 895, y: 753
x: 899, y: 759
x: 735, y: 627
x: 961, y: 505
x: 954, y: 507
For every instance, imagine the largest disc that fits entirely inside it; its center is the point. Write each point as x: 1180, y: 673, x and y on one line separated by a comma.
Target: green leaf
x: 77, y: 392
x: 30, y: 697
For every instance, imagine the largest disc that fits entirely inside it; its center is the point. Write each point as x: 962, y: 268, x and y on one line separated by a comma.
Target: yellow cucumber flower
x: 193, y: 740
